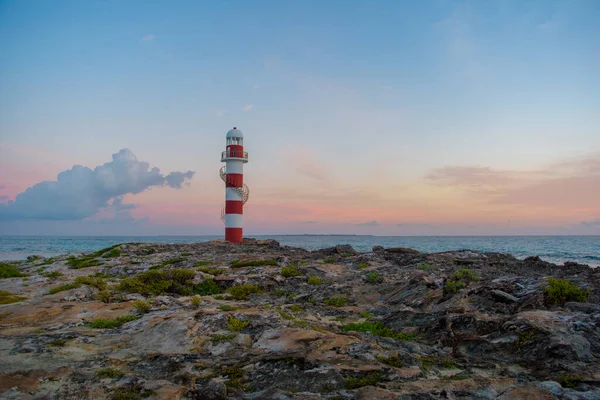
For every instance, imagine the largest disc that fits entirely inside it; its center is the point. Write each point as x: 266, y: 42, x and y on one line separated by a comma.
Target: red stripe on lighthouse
x: 233, y: 235
x: 234, y: 180
x: 234, y: 207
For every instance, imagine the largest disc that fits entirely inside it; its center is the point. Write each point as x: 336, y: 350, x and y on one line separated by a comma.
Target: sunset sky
x: 385, y: 118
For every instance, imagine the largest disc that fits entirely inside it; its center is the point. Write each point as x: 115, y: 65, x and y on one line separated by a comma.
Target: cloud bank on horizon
x: 81, y: 192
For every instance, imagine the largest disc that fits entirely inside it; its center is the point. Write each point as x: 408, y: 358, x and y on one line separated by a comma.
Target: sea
x: 556, y: 249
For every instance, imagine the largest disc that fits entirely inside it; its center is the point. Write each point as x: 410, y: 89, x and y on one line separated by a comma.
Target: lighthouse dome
x: 235, y: 133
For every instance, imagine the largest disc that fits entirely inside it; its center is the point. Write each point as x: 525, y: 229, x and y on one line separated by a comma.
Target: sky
x: 382, y: 118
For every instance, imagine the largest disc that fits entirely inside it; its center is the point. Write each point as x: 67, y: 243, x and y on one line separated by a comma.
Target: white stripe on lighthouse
x: 234, y: 167
x: 233, y: 220
x: 232, y: 194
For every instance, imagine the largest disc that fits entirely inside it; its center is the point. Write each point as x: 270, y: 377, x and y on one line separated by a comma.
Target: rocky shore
x: 217, y: 321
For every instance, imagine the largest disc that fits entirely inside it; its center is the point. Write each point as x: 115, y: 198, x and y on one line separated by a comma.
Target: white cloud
x: 81, y: 192
x: 247, y: 107
x: 256, y: 86
x: 220, y: 113
x: 149, y: 37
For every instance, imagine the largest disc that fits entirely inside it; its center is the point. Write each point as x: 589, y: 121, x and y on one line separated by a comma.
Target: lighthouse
x: 236, y: 193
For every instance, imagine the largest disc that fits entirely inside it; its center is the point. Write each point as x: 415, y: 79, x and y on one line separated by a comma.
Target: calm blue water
x: 558, y: 249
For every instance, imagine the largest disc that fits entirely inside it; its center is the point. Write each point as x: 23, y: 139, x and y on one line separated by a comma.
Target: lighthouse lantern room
x: 236, y: 192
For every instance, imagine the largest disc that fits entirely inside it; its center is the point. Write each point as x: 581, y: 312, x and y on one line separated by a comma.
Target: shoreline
x: 262, y: 320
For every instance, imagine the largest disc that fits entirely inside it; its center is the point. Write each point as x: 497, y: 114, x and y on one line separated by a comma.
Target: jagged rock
x: 384, y: 320
x: 505, y: 297
x: 208, y: 390
x: 402, y: 250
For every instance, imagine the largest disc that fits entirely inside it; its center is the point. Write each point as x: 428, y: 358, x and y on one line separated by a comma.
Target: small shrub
x: 466, y: 274
x: 196, y: 301
x: 525, y: 336
x: 142, y: 306
x: 365, y: 314
x: 228, y: 308
x: 312, y: 300
x: 569, y: 380
x: 53, y: 274
x: 101, y: 323
x: 329, y: 260
x: 290, y: 271
x: 453, y: 286
x: 362, y: 265
x: 314, y: 280
x: 447, y: 363
x: 394, y: 361
x: 104, y: 296
x: 291, y: 296
x: 280, y: 292
x: 208, y: 287
x: 425, y: 267
x: 9, y: 271
x: 336, y: 301
x: 346, y: 255
x: 113, y: 253
x: 559, y: 291
x: 373, y: 277
x: 222, y: 338
x: 241, y: 292
x: 175, y: 281
x: 83, y: 262
x: 253, y: 263
x: 9, y: 298
x: 108, y: 373
x: 237, y: 325
x: 202, y: 263
x: 58, y: 342
x: 369, y: 379
x: 295, y: 308
x: 95, y: 282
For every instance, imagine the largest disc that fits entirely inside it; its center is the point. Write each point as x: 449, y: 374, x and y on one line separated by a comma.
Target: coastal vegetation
x: 253, y: 263
x: 559, y: 291
x: 10, y: 271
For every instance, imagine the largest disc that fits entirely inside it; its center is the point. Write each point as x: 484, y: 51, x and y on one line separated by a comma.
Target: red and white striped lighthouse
x: 236, y: 193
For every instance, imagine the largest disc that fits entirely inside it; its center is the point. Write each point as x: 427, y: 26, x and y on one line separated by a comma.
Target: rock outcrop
x: 217, y: 321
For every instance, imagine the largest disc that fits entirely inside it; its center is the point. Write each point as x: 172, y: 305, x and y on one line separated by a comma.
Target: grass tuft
x: 453, y: 286
x: 253, y: 263
x: 10, y: 271
x: 202, y: 263
x: 101, y: 323
x: 466, y: 274
x: 314, y: 280
x: 394, y: 361
x: 329, y: 260
x: 222, y: 338
x: 228, y: 308
x: 196, y: 301
x: 290, y: 271
x: 211, y: 271
x: 9, y: 298
x: 241, y: 292
x: 142, y: 306
x: 108, y: 373
x: 369, y: 379
x: 569, y: 380
x: 53, y: 274
x: 377, y: 329
x: 362, y: 265
x: 336, y: 301
x: 237, y: 325
x: 373, y: 277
